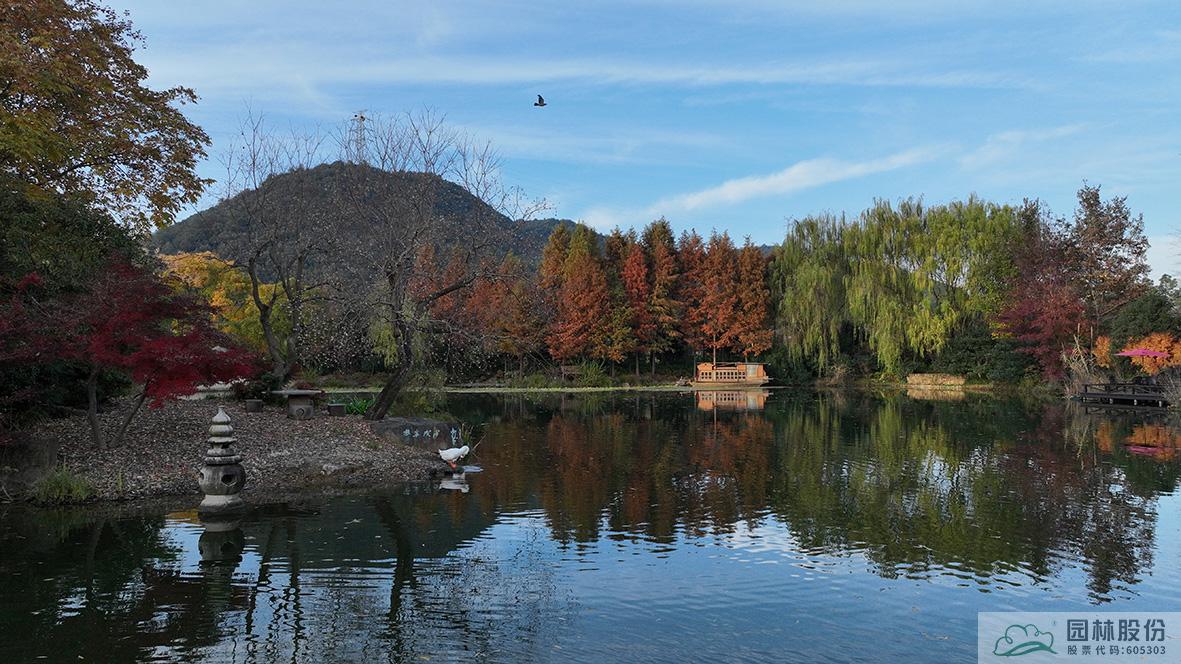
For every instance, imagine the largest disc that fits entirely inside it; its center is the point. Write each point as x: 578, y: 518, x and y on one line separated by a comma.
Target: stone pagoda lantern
x: 222, y: 476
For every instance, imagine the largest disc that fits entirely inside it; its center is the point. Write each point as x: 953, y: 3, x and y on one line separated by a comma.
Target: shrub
x: 533, y: 381
x: 1080, y: 369
x: 592, y: 374
x: 358, y: 405
x: 249, y: 389
x: 61, y: 486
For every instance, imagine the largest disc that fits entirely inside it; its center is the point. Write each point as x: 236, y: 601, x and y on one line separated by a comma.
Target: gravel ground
x: 165, y: 447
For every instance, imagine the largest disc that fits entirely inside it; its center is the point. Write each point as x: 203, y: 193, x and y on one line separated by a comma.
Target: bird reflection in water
x: 457, y: 480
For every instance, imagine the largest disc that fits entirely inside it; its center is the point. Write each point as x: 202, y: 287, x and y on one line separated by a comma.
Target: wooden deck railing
x: 1124, y: 394
x: 1129, y: 389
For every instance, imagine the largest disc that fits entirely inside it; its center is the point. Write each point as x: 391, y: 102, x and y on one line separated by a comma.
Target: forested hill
x: 309, y: 192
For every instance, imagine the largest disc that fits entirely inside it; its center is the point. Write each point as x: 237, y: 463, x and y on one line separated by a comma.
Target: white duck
x: 453, y: 454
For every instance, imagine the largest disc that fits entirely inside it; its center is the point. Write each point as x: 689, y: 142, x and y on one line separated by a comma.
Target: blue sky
x: 727, y: 115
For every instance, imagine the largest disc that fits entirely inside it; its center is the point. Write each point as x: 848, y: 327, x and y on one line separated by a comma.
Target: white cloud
x: 1164, y: 46
x: 255, y: 66
x: 1008, y: 143
x: 803, y: 175
x: 797, y: 177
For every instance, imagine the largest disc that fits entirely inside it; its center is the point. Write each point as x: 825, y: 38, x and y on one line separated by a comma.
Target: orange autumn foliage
x: 1102, y: 352
x: 1161, y: 342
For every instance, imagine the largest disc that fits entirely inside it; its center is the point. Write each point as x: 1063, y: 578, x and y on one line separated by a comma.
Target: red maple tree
x: 129, y: 321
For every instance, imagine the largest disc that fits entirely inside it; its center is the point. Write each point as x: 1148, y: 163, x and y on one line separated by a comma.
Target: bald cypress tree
x: 691, y: 289
x: 664, y: 274
x: 752, y: 330
x: 582, y: 321
x: 637, y: 288
x: 553, y: 258
x: 717, y: 310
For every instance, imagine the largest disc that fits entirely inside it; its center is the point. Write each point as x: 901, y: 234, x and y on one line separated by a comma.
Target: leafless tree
x: 408, y: 175
x: 278, y: 233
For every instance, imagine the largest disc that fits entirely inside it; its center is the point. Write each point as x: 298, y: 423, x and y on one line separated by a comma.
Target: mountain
x: 220, y: 230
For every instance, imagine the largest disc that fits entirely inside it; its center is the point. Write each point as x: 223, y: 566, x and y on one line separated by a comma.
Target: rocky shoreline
x: 164, y: 449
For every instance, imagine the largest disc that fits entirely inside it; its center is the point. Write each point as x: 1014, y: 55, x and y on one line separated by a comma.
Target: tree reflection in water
x: 976, y: 492
x: 980, y: 488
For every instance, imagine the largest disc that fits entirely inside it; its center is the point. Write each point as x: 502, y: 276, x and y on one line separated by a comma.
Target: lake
x: 751, y: 526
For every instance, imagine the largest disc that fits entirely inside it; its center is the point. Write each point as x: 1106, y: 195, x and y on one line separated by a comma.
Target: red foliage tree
x: 639, y: 291
x: 717, y: 310
x: 510, y: 310
x: 752, y: 332
x: 129, y: 321
x: 1044, y: 310
x: 691, y: 288
x: 584, y: 308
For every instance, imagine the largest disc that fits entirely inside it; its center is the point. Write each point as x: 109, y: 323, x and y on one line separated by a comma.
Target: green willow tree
x: 905, y: 277
x: 808, y: 274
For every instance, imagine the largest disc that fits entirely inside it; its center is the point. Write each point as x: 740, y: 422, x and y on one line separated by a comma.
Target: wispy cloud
x: 1164, y: 46
x: 258, y: 65
x: 613, y: 145
x: 797, y: 177
x: 1009, y: 143
x: 802, y: 175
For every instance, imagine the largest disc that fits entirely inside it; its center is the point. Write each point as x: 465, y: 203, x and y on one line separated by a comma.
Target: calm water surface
x: 793, y: 526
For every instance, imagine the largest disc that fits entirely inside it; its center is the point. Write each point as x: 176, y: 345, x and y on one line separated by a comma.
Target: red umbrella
x: 1142, y: 352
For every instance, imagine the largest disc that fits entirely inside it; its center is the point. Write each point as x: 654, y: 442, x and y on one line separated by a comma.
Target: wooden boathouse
x: 735, y: 374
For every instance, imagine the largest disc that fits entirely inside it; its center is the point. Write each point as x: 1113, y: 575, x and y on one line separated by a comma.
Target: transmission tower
x: 358, y: 138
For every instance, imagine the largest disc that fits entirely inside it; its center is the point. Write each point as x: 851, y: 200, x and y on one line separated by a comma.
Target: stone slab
x: 432, y: 434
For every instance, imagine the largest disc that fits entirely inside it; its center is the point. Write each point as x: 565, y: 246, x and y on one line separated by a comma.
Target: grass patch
x: 592, y: 374
x: 61, y: 486
x: 357, y: 405
x: 534, y: 381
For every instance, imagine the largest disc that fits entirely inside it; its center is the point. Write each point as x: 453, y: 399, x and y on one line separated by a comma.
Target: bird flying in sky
x: 540, y: 101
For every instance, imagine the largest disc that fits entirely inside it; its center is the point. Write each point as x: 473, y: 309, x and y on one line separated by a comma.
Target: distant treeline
x: 995, y: 292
